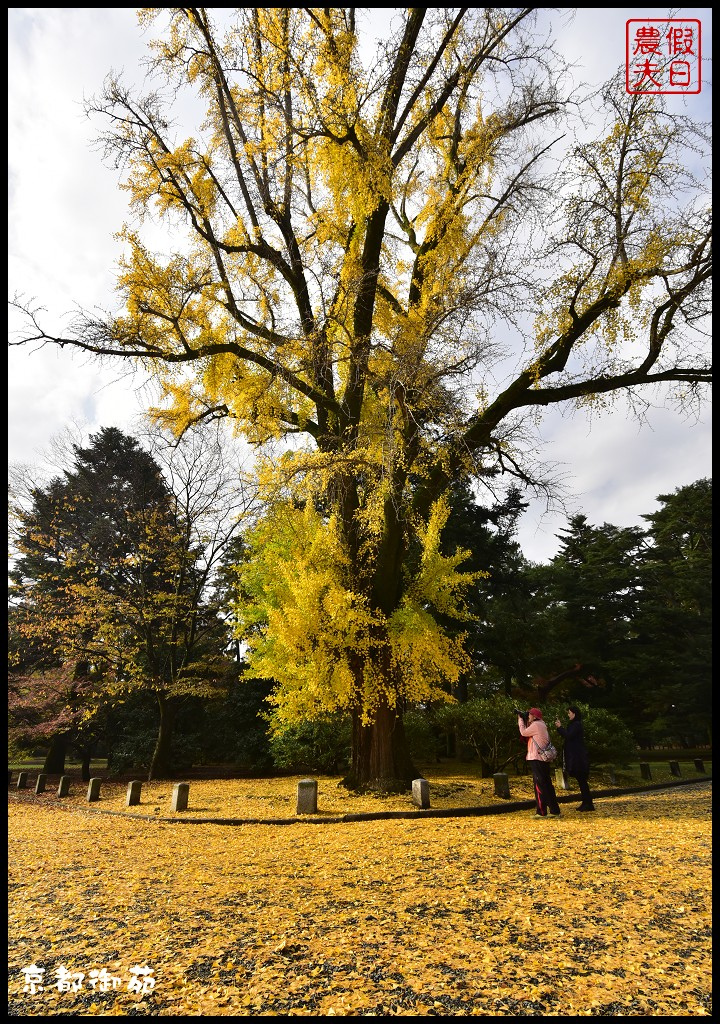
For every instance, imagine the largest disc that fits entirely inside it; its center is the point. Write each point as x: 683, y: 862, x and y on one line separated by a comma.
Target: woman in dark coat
x: 575, y: 755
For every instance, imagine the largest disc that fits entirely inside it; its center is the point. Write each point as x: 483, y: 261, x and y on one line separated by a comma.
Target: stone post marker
x: 699, y: 766
x: 180, y: 796
x: 502, y: 785
x: 22, y: 780
x: 64, y: 787
x: 612, y: 777
x: 561, y: 778
x: 674, y: 768
x: 307, y: 796
x: 421, y: 793
x: 93, y: 792
x: 40, y: 783
x: 645, y: 770
x: 133, y: 794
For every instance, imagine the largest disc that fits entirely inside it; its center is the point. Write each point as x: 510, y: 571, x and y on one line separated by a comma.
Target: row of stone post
x: 41, y: 783
x: 307, y: 788
x: 307, y: 791
x: 179, y: 796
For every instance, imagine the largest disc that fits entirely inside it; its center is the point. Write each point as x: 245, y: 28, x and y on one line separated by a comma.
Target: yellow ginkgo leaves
x: 445, y: 917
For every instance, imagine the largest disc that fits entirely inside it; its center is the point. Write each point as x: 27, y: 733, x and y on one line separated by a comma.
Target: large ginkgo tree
x: 382, y: 260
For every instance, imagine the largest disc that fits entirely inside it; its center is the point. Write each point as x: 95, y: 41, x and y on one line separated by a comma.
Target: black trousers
x: 582, y: 781
x: 545, y: 797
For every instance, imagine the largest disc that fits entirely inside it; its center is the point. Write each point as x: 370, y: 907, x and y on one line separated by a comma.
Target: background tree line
x: 129, y: 567
x: 384, y: 259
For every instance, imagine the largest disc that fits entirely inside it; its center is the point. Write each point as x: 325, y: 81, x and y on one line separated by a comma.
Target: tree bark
x: 380, y: 756
x: 85, y: 758
x: 161, y: 764
x: 55, y: 757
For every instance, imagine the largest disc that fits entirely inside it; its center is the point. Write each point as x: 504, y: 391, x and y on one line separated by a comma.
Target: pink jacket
x: 539, y: 736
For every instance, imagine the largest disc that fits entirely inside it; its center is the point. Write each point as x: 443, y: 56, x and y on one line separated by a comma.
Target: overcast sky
x: 64, y: 207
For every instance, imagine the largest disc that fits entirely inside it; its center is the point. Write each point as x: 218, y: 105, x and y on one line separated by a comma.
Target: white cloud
x: 615, y: 468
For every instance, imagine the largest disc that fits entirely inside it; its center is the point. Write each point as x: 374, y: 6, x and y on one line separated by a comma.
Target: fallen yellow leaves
x: 452, y: 786
x: 589, y: 915
x: 276, y: 798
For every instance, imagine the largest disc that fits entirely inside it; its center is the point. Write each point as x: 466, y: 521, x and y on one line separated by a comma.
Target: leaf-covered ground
x: 604, y: 914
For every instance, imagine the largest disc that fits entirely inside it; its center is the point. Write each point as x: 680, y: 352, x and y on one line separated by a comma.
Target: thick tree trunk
x: 380, y: 756
x: 55, y: 757
x: 461, y: 690
x: 161, y: 764
x: 380, y: 759
x: 85, y: 758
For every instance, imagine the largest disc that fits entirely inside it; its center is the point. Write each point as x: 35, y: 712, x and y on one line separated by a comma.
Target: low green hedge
x: 676, y: 755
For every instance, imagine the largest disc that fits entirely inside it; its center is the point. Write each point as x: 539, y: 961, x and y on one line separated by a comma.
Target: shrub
x: 235, y: 729
x: 421, y: 733
x: 608, y: 739
x: 322, y: 745
x: 488, y: 725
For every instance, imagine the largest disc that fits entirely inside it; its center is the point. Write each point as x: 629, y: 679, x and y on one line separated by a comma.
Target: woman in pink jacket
x: 537, y: 735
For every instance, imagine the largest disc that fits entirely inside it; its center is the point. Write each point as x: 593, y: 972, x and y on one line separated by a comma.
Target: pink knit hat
x: 535, y: 712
